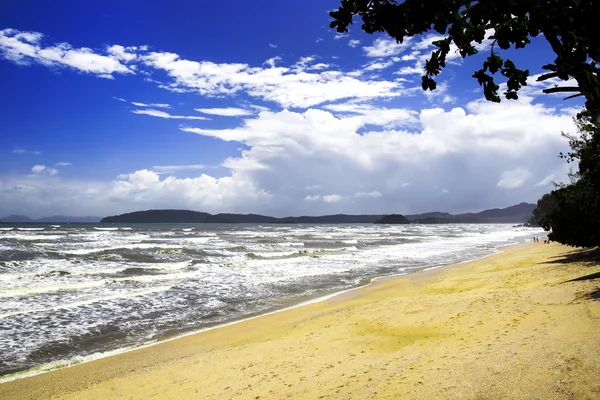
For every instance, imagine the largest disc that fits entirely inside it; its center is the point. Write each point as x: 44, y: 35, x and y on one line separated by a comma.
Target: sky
x: 256, y: 107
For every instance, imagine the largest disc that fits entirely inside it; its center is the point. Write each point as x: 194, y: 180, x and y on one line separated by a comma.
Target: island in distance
x: 519, y: 213
x: 393, y: 219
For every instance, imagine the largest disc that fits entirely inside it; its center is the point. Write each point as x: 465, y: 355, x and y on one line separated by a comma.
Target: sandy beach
x: 514, y: 325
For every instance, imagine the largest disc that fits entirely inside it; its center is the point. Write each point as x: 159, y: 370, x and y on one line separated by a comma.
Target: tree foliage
x: 570, y: 26
x: 545, y: 206
x: 575, y: 219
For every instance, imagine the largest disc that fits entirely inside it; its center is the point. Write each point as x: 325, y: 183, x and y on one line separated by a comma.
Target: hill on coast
x: 61, y: 219
x: 515, y: 214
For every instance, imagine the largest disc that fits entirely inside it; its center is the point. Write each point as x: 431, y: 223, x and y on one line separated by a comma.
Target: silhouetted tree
x: 570, y: 26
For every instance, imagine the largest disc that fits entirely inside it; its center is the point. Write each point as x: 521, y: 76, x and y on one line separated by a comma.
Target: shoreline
x: 342, y: 294
x: 493, y: 328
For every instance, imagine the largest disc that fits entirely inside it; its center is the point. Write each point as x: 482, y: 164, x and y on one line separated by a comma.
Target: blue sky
x: 258, y: 106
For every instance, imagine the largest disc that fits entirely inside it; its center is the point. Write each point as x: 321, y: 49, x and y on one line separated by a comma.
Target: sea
x: 75, y: 292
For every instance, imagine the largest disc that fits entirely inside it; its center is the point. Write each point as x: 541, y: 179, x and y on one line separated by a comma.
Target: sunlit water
x: 74, y: 290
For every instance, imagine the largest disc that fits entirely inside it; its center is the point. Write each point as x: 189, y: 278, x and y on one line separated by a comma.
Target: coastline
x: 263, y: 337
x: 335, y: 296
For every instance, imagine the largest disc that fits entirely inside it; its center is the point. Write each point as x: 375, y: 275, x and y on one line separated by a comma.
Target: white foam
x: 106, y: 229
x: 225, y: 275
x: 125, y: 295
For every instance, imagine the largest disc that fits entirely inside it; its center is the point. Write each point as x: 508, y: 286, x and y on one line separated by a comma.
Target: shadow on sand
x: 593, y: 295
x: 591, y: 256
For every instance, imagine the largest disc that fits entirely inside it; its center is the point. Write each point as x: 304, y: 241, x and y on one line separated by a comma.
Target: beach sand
x: 510, y: 326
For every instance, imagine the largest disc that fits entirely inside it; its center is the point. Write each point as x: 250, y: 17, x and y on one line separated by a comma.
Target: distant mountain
x: 17, y: 218
x: 186, y: 216
x: 164, y: 216
x: 514, y: 214
x: 519, y: 213
x: 61, y: 219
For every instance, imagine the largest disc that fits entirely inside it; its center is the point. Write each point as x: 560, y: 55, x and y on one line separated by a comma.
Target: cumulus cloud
x: 466, y: 149
x: 130, y: 192
x: 323, y: 161
x: 162, y: 114
x: 354, y: 43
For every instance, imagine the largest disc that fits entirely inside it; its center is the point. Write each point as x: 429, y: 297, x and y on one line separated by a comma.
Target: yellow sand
x: 506, y: 327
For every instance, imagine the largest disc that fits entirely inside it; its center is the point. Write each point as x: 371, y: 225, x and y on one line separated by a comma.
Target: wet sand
x: 513, y: 325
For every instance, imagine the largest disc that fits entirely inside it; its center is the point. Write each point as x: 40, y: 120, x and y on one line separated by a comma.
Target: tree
x: 570, y: 26
x: 545, y: 206
x: 572, y: 212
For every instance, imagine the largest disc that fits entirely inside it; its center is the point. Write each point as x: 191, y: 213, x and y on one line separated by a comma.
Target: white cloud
x: 312, y: 198
x: 126, y: 54
x: 373, y: 194
x: 339, y: 36
x: 225, y: 112
x: 546, y: 181
x: 354, y: 43
x: 273, y: 46
x: 375, y: 66
x: 514, y: 178
x: 345, y: 136
x: 385, y: 47
x: 120, y: 99
x: 417, y: 70
x: 289, y: 87
x: 169, y: 169
x: 271, y: 62
x: 42, y: 169
x: 302, y: 85
x: 63, y: 164
x: 346, y: 164
x: 152, y: 105
x: 19, y: 150
x: 162, y: 114
x: 371, y: 115
x: 26, y: 47
x: 332, y: 198
x: 465, y: 149
x: 319, y: 66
